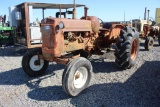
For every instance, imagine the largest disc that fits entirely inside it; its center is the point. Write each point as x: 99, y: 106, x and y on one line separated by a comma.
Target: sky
x: 107, y: 10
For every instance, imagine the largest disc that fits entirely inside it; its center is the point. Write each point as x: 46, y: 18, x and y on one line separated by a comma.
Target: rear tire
x: 127, y: 48
x: 30, y: 63
x: 76, y: 76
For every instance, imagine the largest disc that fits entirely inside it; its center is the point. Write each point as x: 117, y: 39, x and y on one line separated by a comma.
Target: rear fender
x: 115, y: 31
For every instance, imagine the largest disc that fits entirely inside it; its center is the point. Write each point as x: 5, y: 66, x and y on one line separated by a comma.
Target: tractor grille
x: 47, y: 36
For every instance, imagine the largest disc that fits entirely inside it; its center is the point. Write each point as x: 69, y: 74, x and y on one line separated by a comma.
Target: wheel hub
x: 134, y: 49
x: 35, y: 63
x: 80, y: 77
x: 150, y: 44
x: 77, y: 75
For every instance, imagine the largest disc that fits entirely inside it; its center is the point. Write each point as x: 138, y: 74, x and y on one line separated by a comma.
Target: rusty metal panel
x: 76, y: 25
x: 27, y: 25
x: 115, y: 31
x: 95, y: 24
x: 52, y: 42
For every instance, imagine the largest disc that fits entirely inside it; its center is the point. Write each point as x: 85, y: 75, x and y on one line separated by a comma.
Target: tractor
x: 147, y: 30
x: 6, y: 32
x: 71, y: 41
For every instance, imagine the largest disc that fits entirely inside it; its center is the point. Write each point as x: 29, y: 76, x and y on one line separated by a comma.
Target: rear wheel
x: 148, y: 45
x: 32, y: 65
x: 76, y: 76
x: 127, y: 48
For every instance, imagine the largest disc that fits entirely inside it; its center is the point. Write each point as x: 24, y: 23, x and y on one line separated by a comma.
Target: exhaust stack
x: 145, y: 13
x: 148, y: 15
x: 74, y: 10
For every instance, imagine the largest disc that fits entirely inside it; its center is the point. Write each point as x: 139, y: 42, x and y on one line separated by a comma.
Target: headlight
x: 61, y: 25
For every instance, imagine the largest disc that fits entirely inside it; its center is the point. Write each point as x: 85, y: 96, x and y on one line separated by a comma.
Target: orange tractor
x: 72, y: 41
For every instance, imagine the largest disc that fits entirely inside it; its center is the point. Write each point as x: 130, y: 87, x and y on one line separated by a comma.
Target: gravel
x: 110, y: 85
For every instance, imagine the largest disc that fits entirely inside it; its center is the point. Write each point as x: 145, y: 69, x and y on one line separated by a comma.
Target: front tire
x: 33, y: 66
x: 127, y: 49
x: 76, y: 76
x: 149, y: 42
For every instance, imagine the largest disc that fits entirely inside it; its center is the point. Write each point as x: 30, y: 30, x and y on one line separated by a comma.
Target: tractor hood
x: 53, y: 30
x: 69, y: 24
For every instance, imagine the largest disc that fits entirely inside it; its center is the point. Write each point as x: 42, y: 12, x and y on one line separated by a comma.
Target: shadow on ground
x: 11, y: 52
x: 101, y: 66
x: 18, y: 77
x: 141, y: 89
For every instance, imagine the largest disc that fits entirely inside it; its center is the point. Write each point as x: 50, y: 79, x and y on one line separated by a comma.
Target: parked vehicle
x: 147, y: 30
x: 71, y: 41
x: 6, y: 32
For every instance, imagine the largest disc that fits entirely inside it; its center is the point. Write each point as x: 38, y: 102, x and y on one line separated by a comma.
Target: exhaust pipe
x: 148, y: 15
x: 74, y: 10
x: 145, y: 13
x: 85, y: 12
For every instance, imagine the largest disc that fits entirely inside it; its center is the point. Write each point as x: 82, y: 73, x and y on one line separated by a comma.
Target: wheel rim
x: 80, y: 77
x: 34, y: 65
x: 134, y: 49
x: 150, y: 45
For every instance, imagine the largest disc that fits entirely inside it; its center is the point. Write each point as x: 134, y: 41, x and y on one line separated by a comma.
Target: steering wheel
x: 101, y: 22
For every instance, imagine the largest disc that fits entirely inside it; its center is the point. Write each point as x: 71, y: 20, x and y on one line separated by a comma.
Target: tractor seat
x: 107, y: 25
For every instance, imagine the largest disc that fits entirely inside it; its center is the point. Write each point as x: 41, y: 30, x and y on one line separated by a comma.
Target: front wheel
x: 149, y: 42
x: 32, y: 65
x: 76, y: 76
x: 127, y: 48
